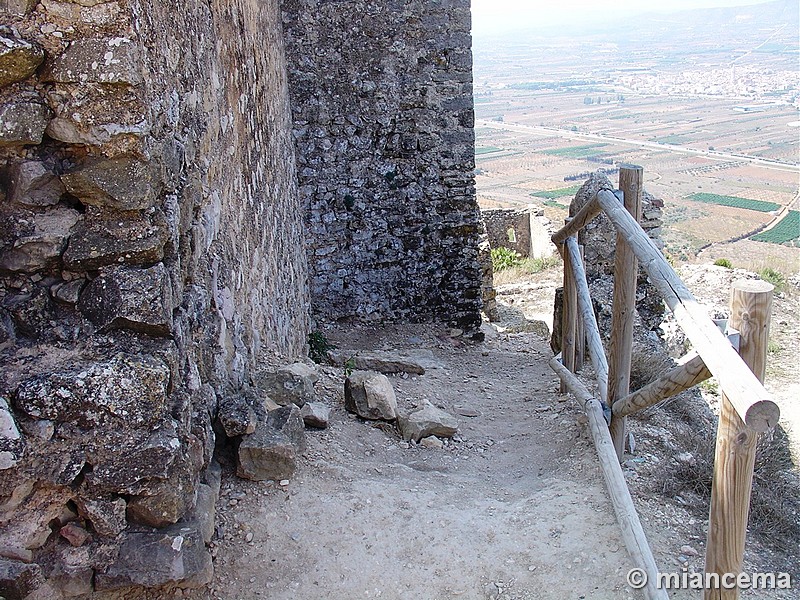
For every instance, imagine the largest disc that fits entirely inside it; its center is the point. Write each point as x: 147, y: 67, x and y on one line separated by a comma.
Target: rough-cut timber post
x: 745, y: 392
x: 673, y: 382
x: 624, y: 306
x: 580, y: 334
x: 751, y: 304
x: 568, y: 320
x: 627, y: 517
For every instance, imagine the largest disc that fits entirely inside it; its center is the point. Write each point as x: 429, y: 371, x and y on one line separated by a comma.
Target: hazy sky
x: 491, y: 16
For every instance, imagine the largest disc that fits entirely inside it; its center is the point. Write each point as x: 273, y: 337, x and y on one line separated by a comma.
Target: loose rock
x: 380, y: 362
x: 370, y: 395
x: 292, y: 384
x: 431, y: 442
x: 271, y: 451
x: 315, y: 415
x: 426, y: 422
x: 237, y: 414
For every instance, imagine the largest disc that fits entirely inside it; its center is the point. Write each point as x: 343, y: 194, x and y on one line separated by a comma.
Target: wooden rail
x: 747, y: 408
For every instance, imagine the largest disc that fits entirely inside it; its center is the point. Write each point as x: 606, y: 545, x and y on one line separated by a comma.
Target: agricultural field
x: 479, y: 150
x: 787, y: 231
x: 559, y: 193
x: 576, y: 151
x: 714, y: 127
x: 734, y: 202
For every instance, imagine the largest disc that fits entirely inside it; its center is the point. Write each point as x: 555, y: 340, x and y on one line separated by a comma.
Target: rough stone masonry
x: 383, y: 118
x: 165, y: 171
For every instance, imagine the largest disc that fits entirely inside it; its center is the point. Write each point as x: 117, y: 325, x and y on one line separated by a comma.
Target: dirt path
x: 513, y: 507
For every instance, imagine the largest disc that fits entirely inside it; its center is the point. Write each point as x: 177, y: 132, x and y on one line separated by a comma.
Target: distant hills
x: 727, y: 25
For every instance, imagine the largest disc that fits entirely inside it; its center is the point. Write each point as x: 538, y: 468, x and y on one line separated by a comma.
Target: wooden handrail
x: 746, y: 407
x: 673, y: 382
x: 629, y: 523
x: 597, y: 354
x: 746, y: 393
x: 584, y: 216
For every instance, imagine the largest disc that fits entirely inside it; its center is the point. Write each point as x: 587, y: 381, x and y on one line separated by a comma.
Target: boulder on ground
x: 382, y: 362
x: 370, y: 395
x: 271, y: 451
x: 315, y: 415
x: 237, y: 414
x: 426, y: 422
x: 292, y: 384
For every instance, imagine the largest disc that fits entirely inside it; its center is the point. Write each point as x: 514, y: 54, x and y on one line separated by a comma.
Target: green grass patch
x: 575, y: 151
x: 734, y: 201
x: 486, y: 150
x: 774, y: 277
x: 559, y: 193
x: 672, y: 139
x: 504, y: 258
x: 787, y: 230
x: 554, y: 204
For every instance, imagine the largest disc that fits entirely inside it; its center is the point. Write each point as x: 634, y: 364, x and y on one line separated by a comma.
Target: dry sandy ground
x: 512, y: 507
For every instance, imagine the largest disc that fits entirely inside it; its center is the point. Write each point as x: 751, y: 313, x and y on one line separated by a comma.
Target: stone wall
x: 382, y: 104
x: 509, y: 228
x: 150, y: 251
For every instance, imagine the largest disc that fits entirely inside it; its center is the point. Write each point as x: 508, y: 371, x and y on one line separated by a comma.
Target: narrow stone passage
x: 512, y: 507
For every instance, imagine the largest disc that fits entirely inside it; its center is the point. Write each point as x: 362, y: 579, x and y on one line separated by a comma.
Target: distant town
x: 707, y: 101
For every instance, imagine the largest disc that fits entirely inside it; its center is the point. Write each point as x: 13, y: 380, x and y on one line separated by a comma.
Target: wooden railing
x: 746, y: 408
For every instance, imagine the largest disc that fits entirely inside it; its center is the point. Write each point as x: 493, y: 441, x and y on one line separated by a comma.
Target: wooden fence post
x: 626, y: 270
x: 751, y: 305
x: 568, y: 320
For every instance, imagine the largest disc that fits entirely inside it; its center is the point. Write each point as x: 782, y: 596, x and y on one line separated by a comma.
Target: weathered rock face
x: 127, y: 391
x: 18, y: 59
x: 151, y: 248
x: 383, y: 120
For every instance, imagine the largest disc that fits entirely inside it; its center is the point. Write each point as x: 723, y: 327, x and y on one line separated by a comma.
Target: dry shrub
x: 775, y: 501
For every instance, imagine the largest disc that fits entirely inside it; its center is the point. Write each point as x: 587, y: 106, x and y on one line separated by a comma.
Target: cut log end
x: 762, y: 415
